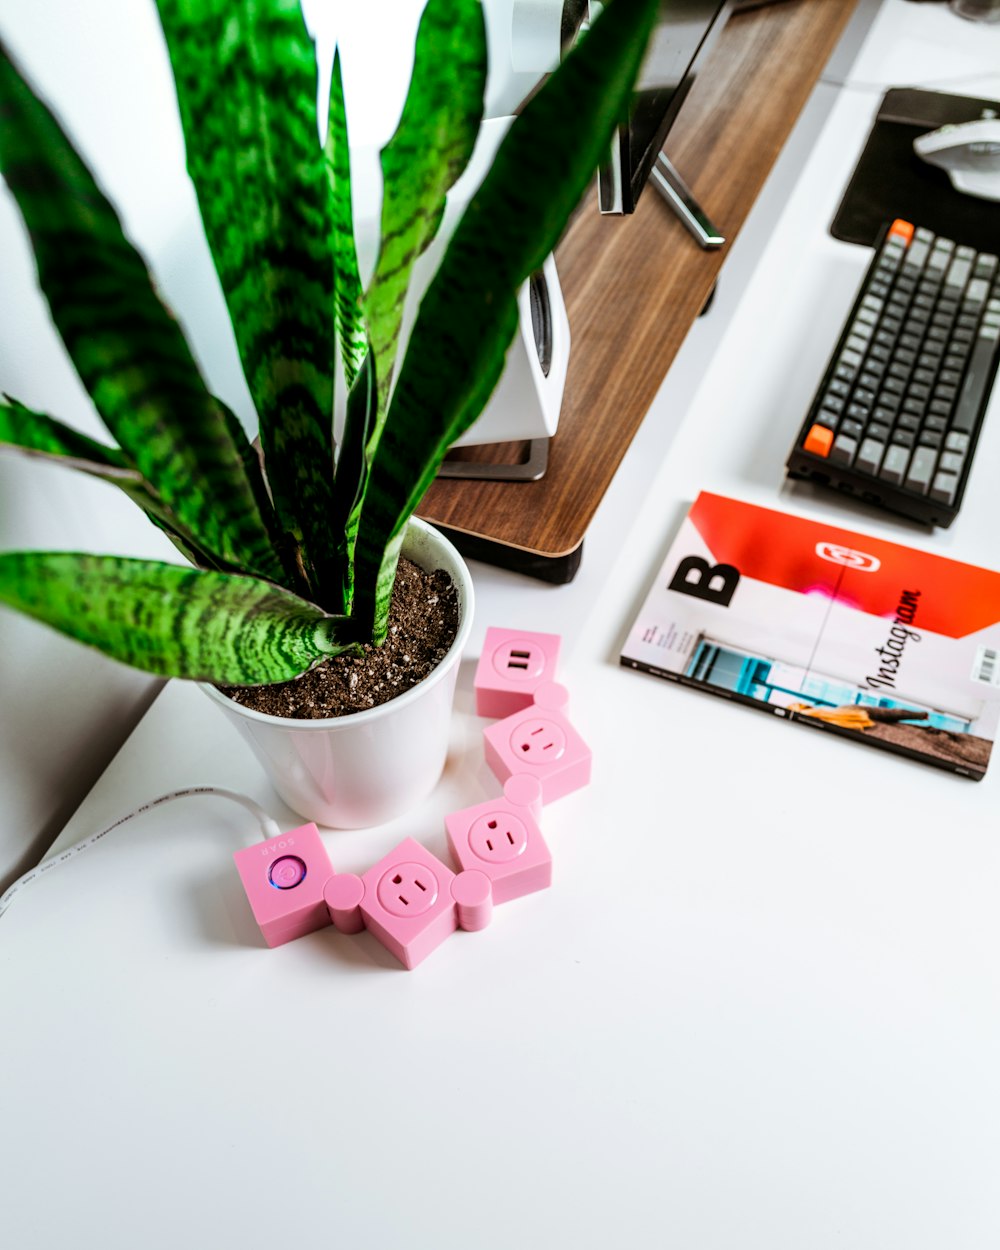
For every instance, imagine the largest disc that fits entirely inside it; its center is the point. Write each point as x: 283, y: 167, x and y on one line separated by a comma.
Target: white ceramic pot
x: 352, y: 771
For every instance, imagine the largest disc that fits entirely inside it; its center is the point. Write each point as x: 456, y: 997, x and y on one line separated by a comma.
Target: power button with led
x: 286, y: 873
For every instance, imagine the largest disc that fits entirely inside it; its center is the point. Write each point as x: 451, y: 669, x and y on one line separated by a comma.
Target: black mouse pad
x: 891, y: 181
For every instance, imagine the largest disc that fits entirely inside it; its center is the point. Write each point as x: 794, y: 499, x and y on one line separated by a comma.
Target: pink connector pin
x: 410, y: 901
x: 501, y: 838
x: 540, y: 741
x: 284, y: 879
x: 512, y: 666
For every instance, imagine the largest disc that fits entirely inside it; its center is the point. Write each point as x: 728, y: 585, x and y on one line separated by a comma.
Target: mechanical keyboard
x: 896, y: 418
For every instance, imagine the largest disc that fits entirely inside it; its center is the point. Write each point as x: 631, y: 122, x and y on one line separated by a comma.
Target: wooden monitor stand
x: 634, y: 285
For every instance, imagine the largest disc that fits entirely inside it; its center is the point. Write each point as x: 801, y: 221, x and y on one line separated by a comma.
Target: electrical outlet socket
x: 284, y: 879
x: 541, y: 742
x: 538, y: 741
x: 409, y: 889
x: 502, y: 839
x: 513, y: 664
x: 497, y: 837
x: 411, y: 902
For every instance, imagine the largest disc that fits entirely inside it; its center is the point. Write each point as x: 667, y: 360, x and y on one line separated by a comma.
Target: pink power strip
x: 411, y: 901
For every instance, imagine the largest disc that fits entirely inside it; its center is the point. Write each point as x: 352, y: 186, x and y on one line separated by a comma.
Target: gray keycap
x: 986, y: 265
x: 938, y: 260
x: 843, y: 449
x: 957, y: 442
x: 951, y: 461
x: 894, y: 464
x: 916, y: 254
x: 976, y: 293
x: 918, y: 475
x: 870, y: 456
x: 958, y: 274
x: 944, y: 487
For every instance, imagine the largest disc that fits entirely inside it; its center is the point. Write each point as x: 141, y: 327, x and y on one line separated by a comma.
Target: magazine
x: 869, y: 639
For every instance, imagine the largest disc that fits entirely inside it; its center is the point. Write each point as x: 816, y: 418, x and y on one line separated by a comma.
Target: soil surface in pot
x: 423, y: 622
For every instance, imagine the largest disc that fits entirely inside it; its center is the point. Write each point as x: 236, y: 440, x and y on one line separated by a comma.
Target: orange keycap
x: 902, y: 230
x: 819, y: 440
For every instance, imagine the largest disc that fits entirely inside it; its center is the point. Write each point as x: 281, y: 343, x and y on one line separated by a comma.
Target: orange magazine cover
x: 892, y: 646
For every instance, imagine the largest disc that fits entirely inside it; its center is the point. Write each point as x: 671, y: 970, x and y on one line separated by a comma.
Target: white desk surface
x: 759, y: 1008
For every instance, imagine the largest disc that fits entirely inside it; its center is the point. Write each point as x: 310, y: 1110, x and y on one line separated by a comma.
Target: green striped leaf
x: 352, y: 472
x: 42, y: 437
x: 431, y: 147
x: 173, y: 621
x: 245, y: 73
x: 36, y: 434
x: 127, y: 348
x: 469, y: 314
x: 348, y: 312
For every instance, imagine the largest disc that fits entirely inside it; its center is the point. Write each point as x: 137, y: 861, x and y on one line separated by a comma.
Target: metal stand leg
x: 678, y: 195
x: 531, y: 469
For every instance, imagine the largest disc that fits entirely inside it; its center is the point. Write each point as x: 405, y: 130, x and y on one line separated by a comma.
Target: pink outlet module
x: 284, y: 879
x: 512, y: 666
x: 501, y: 838
x: 410, y: 901
x: 540, y: 741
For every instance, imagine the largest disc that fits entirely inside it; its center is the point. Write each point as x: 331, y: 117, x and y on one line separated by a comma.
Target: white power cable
x: 268, y: 825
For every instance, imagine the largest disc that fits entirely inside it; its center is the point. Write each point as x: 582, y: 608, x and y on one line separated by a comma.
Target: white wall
x: 64, y: 710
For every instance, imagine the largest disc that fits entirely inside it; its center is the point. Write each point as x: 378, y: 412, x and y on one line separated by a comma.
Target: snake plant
x: 292, y: 549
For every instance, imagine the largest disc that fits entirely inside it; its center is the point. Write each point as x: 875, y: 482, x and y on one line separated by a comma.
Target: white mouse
x: 969, y: 153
